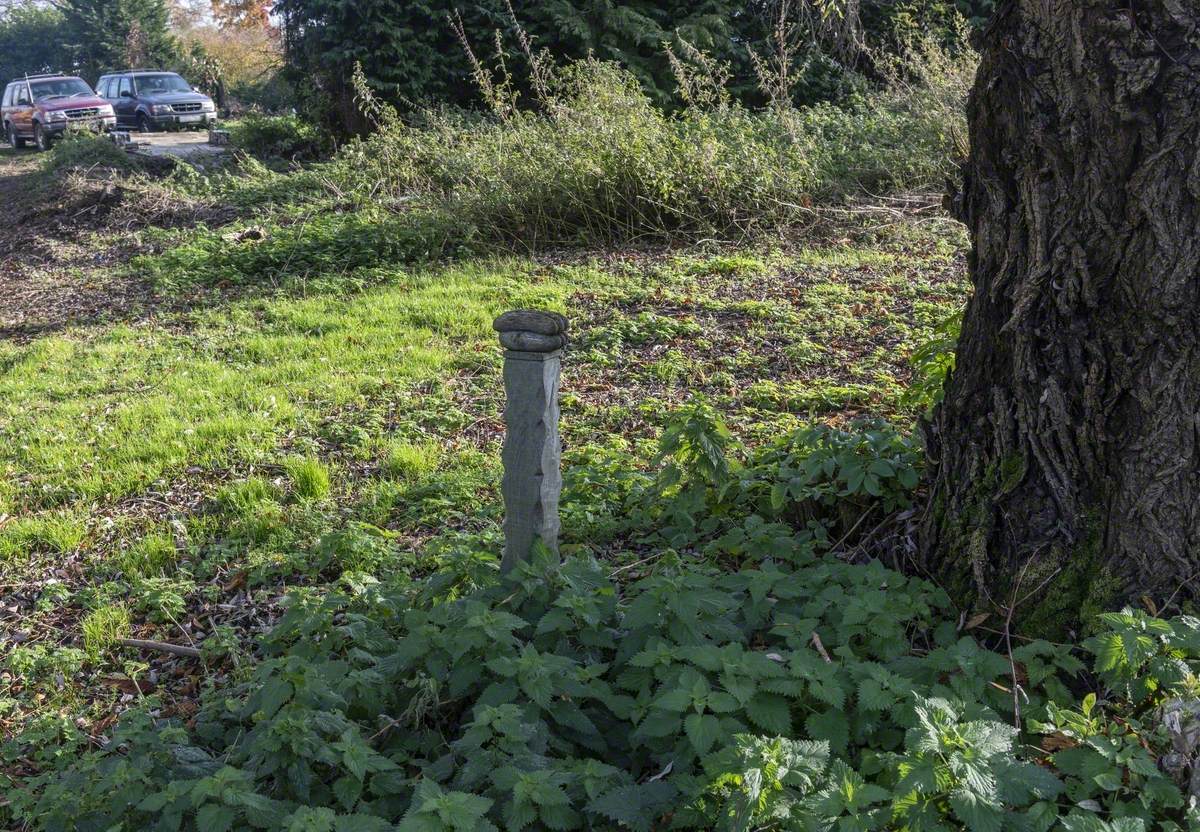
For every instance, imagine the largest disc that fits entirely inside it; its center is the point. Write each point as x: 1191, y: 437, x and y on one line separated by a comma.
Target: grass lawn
x: 171, y: 474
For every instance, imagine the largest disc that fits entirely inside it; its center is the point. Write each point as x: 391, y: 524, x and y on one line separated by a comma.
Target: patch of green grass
x: 104, y: 414
x: 245, y: 498
x: 310, y: 478
x: 152, y: 556
x: 728, y: 265
x: 411, y: 461
x: 234, y: 417
x: 102, y: 628
x: 52, y: 533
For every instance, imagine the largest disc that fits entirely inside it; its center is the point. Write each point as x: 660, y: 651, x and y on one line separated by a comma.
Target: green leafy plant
x: 747, y: 683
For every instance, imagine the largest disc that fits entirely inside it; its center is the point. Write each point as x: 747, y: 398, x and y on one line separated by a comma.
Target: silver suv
x: 149, y: 100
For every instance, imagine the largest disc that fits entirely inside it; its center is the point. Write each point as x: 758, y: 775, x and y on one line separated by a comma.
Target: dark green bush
x: 280, y: 137
x: 600, y: 163
x: 86, y: 151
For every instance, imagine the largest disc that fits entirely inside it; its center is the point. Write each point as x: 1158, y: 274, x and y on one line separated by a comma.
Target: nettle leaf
x: 703, y: 730
x: 659, y: 724
x: 675, y: 701
x: 831, y: 726
x: 215, y: 817
x: 873, y: 697
x: 310, y: 819
x: 771, y: 712
x: 361, y: 823
x: 348, y: 790
x: 976, y: 813
x: 635, y: 807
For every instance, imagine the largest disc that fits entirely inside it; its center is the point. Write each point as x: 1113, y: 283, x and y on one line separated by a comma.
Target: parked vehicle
x: 40, y: 107
x: 149, y: 100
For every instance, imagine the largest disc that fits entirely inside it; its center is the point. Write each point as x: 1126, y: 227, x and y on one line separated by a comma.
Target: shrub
x: 283, y: 137
x: 85, y: 150
x: 600, y: 163
x: 933, y: 362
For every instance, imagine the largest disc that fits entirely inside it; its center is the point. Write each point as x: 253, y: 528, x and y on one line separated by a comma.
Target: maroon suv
x: 41, y: 107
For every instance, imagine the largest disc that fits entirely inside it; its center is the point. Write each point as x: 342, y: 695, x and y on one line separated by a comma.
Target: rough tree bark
x: 1066, y: 455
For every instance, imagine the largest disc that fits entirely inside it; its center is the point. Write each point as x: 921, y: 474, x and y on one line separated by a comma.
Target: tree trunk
x: 1065, y: 459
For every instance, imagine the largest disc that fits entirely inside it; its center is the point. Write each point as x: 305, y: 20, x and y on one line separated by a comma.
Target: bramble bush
x: 592, y: 162
x: 282, y: 137
x: 741, y: 673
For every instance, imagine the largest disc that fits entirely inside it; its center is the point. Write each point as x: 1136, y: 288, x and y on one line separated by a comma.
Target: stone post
x: 533, y: 343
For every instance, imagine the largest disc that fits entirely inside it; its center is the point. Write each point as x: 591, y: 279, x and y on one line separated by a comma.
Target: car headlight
x: 209, y: 107
x: 56, y: 115
x: 105, y: 111
x: 160, y: 109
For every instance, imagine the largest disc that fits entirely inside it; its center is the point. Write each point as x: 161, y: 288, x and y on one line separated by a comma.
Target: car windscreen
x: 154, y: 84
x: 59, y: 88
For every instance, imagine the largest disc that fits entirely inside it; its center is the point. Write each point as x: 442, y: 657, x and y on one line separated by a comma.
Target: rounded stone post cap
x: 531, y: 330
x: 531, y: 320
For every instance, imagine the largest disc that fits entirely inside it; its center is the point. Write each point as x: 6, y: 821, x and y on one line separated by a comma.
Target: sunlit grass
x: 103, y: 414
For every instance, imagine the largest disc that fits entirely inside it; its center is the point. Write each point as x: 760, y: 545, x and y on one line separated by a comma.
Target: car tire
x: 143, y: 124
x: 41, y: 138
x: 14, y: 140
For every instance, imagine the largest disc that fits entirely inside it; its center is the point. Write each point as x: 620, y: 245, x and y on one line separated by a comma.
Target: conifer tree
x: 106, y: 35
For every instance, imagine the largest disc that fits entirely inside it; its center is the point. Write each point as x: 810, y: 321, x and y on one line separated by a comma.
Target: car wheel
x: 41, y: 138
x: 15, y: 141
x: 143, y: 124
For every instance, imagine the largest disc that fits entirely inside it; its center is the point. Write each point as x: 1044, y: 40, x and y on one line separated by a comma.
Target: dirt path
x: 53, y: 272
x: 193, y: 147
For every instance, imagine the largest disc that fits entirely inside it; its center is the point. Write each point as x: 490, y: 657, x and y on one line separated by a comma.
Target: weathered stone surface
x: 525, y: 341
x: 532, y: 453
x: 531, y: 320
x: 1181, y: 717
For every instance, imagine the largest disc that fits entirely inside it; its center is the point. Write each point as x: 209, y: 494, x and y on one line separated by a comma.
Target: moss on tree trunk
x: 1065, y: 460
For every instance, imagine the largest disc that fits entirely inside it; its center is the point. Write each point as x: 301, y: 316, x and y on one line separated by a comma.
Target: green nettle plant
x: 743, y: 675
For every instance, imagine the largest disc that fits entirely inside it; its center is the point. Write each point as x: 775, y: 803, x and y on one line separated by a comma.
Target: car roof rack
x: 46, y: 75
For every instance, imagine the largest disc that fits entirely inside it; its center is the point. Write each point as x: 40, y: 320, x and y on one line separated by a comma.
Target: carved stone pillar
x: 533, y: 343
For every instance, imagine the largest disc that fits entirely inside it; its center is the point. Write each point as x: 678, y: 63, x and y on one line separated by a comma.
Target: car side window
x: 125, y: 87
x: 102, y: 88
x: 22, y: 95
x: 8, y: 94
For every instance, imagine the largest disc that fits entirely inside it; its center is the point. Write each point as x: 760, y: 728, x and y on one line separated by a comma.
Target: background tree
x: 104, y: 35
x: 1066, y: 456
x: 411, y: 56
x: 29, y: 41
x: 242, y: 14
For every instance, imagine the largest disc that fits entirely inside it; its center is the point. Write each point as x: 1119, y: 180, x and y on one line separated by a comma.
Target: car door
x: 22, y: 110
x: 6, y: 105
x: 125, y: 104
